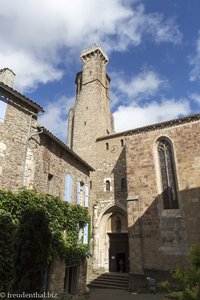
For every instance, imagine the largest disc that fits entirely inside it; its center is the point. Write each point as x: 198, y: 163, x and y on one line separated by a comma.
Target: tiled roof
x: 63, y: 145
x: 152, y: 127
x: 22, y: 97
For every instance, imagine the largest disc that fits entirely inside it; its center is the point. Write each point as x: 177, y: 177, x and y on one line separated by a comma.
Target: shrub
x: 31, y: 248
x: 189, y: 278
x: 6, y: 238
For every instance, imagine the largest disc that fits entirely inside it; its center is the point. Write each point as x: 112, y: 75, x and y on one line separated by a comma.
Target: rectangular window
x: 85, y: 234
x: 49, y: 183
x: 68, y: 188
x: 87, y: 195
x: 3, y: 106
x: 78, y: 192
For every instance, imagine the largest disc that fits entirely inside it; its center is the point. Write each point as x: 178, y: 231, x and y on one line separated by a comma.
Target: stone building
x: 32, y: 157
x: 144, y: 188
x: 145, y: 191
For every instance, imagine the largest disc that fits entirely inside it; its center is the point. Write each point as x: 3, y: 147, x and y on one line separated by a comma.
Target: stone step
x: 108, y: 280
x: 100, y: 286
x: 105, y: 278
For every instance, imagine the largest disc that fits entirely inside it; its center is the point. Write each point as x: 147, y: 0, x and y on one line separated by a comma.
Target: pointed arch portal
x: 112, y: 251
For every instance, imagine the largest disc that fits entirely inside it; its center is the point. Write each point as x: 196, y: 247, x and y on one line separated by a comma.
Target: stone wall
x: 14, y: 132
x: 51, y: 158
x: 107, y: 205
x: 159, y: 238
x: 30, y: 157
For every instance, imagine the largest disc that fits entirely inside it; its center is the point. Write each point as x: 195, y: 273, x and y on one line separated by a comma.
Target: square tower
x: 91, y: 117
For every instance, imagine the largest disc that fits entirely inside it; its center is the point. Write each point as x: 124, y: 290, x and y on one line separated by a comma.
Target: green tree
x: 31, y: 249
x: 6, y: 238
x: 189, y: 278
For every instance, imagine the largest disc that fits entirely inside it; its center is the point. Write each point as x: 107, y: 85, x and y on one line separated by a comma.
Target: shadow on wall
x: 120, y: 179
x: 159, y: 238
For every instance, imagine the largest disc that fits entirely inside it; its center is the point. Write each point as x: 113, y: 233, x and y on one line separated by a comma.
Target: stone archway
x: 111, y: 240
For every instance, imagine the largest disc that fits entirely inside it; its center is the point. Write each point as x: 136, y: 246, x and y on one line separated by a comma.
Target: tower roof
x: 94, y: 49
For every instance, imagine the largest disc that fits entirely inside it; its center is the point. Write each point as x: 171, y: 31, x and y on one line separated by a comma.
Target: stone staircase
x: 108, y: 281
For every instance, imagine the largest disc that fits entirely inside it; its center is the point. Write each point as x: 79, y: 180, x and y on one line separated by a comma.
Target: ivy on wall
x: 6, y: 237
x: 64, y: 221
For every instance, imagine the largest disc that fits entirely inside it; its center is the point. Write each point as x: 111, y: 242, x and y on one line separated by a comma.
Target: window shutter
x: 3, y: 106
x: 68, y: 188
x: 85, y: 234
x: 87, y: 195
x: 78, y: 192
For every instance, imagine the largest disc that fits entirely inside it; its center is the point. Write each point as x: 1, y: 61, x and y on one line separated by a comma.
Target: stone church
x: 145, y: 190
x: 143, y: 184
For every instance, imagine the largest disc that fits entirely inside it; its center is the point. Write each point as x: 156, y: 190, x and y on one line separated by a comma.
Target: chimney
x: 7, y: 76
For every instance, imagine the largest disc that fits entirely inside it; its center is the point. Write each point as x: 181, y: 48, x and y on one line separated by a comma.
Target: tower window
x: 107, y: 186
x: 168, y: 174
x: 122, y: 143
x: 123, y: 184
x: 107, y: 146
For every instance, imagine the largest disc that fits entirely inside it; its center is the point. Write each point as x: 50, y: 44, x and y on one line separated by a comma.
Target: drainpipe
x: 29, y: 136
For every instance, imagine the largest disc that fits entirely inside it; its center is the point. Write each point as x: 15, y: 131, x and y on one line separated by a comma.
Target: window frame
x: 168, y: 173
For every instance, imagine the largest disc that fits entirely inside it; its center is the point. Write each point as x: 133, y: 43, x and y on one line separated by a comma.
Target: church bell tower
x: 91, y: 117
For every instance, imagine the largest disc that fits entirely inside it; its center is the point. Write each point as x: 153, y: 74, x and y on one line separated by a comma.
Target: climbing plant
x: 63, y: 220
x: 7, y: 229
x: 31, y: 247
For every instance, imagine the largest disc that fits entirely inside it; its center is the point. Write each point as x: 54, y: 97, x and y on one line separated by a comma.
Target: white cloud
x: 195, y: 62
x: 195, y: 97
x: 55, y: 117
x: 140, y: 86
x: 30, y: 71
x: 133, y: 116
x: 35, y: 33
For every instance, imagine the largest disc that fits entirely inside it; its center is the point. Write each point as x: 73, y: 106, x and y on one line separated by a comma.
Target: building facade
x: 32, y: 157
x: 145, y: 200
x: 143, y: 184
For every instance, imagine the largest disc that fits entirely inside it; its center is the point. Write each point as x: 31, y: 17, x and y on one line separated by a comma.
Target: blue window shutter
x: 85, y: 234
x: 78, y: 192
x: 68, y: 188
x: 86, y: 196
x: 3, y: 106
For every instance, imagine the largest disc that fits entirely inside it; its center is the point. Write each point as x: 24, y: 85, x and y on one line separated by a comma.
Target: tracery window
x: 168, y: 174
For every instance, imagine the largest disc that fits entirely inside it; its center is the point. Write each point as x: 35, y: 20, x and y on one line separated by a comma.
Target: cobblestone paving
x: 108, y: 294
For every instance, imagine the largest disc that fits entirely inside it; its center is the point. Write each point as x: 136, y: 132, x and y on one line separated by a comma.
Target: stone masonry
x: 32, y: 157
x: 126, y: 185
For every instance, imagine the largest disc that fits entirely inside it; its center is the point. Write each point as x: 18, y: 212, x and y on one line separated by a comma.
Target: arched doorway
x: 112, y: 250
x: 118, y: 243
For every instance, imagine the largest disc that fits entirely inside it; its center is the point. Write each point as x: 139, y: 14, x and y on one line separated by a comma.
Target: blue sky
x: 153, y: 47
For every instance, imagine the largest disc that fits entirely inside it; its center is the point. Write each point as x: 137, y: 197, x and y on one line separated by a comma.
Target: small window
x: 49, y: 183
x: 122, y: 143
x: 68, y: 188
x: 123, y: 184
x: 3, y: 106
x: 80, y: 185
x: 107, y: 146
x: 107, y: 186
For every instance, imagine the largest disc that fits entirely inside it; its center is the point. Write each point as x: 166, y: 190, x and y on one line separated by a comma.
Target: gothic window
x: 107, y: 146
x: 123, y: 184
x: 122, y: 143
x: 107, y: 186
x: 168, y: 174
